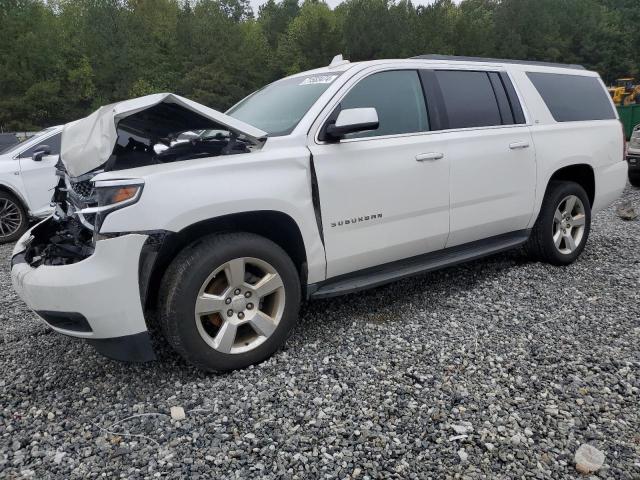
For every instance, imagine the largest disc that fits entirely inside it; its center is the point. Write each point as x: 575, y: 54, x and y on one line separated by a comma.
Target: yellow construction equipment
x: 625, y: 91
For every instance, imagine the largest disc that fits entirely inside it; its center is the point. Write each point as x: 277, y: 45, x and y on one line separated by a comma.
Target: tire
x: 542, y: 244
x: 201, y: 332
x: 14, y: 220
x: 634, y: 179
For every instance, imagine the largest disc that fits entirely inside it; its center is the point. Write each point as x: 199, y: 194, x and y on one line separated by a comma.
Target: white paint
x: 103, y: 287
x: 382, y: 198
x: 30, y: 181
x: 88, y: 143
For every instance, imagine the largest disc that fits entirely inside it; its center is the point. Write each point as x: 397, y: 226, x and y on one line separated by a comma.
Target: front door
x: 384, y: 194
x: 39, y: 178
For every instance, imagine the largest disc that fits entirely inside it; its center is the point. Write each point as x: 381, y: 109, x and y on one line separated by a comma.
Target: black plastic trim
x: 501, y: 97
x: 148, y: 256
x: 130, y: 348
x: 390, y: 272
x: 72, y: 321
x: 436, y: 108
x: 323, y: 136
x: 433, y: 56
x: 514, y: 101
x: 315, y: 197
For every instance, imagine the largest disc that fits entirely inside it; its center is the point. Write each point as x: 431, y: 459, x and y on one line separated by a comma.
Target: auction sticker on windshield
x: 318, y: 79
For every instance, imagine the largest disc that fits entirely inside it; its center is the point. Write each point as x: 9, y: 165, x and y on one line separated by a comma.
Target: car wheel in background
x: 13, y: 218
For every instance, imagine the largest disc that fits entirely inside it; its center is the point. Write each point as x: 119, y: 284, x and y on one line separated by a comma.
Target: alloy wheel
x: 240, y: 305
x: 569, y: 224
x: 10, y: 217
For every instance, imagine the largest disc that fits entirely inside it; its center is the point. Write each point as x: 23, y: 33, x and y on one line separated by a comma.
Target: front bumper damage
x: 94, y: 285
x: 85, y: 290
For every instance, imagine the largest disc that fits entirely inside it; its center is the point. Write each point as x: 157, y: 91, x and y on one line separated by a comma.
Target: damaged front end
x: 58, y: 242
x: 147, y: 131
x: 69, y: 236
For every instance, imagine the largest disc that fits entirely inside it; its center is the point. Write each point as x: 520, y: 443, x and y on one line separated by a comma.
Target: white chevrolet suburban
x: 323, y: 183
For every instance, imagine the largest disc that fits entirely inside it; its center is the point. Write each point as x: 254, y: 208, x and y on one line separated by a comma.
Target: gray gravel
x: 500, y: 368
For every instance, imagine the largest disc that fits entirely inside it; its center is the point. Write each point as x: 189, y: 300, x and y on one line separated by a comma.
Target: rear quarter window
x: 573, y: 98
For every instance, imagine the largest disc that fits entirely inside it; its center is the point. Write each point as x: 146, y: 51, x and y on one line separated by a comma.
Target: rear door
x: 382, y: 196
x: 489, y: 148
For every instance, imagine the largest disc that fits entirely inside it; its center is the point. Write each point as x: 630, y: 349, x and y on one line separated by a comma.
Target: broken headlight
x: 111, y: 195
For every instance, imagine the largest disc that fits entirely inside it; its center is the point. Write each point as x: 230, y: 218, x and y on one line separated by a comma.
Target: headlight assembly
x: 111, y: 195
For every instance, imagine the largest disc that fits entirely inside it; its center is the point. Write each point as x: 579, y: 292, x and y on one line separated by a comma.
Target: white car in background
x: 633, y: 157
x: 27, y: 180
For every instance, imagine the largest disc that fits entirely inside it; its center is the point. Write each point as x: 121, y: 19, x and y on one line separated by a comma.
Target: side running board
x: 408, y: 267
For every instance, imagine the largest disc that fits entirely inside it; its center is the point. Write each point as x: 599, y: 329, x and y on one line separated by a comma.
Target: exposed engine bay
x: 162, y: 133
x: 169, y: 133
x: 59, y: 242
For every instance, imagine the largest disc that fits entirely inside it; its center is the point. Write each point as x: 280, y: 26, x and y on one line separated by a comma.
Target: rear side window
x: 469, y: 99
x: 573, y: 98
x: 397, y: 97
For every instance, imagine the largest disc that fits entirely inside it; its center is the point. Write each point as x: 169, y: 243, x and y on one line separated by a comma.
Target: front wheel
x: 634, y: 178
x: 229, y: 301
x: 561, y: 231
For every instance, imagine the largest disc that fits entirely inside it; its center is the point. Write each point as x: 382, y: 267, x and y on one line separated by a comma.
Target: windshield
x: 278, y: 107
x: 14, y: 148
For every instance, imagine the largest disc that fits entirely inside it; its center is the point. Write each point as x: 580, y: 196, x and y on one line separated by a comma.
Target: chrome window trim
x: 330, y: 106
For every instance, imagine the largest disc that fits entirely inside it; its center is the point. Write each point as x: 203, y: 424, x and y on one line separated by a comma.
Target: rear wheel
x: 13, y: 218
x: 229, y: 301
x: 563, y: 225
x: 634, y: 179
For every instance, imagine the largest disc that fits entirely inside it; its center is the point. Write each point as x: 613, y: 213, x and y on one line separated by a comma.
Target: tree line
x: 61, y: 59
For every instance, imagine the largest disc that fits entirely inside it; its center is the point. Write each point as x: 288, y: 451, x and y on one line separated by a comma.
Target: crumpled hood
x: 88, y: 143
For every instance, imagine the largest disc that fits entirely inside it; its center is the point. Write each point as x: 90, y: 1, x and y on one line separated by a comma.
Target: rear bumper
x: 97, y: 298
x: 610, y: 182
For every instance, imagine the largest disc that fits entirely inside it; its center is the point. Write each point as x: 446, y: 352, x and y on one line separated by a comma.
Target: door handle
x: 423, y: 157
x: 518, y: 145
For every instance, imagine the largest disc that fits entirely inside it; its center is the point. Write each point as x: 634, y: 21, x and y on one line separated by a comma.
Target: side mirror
x: 352, y: 120
x: 41, y: 151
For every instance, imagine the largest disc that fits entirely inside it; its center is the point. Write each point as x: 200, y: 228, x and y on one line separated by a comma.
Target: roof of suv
x: 436, y: 59
x: 455, y: 58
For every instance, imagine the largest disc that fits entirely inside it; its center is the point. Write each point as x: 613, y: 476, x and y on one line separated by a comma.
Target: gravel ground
x: 500, y: 368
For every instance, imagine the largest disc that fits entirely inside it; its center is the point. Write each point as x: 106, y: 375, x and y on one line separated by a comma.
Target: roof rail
x: 434, y: 56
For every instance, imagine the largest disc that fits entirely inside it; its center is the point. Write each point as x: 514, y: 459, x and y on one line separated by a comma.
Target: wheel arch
x: 580, y: 173
x: 12, y: 191
x: 276, y: 226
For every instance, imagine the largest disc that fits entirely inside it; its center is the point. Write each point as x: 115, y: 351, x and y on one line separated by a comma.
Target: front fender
x: 178, y: 195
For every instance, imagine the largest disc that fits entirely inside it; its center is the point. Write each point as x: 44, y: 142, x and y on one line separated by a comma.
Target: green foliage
x: 59, y: 59
x: 311, y: 38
